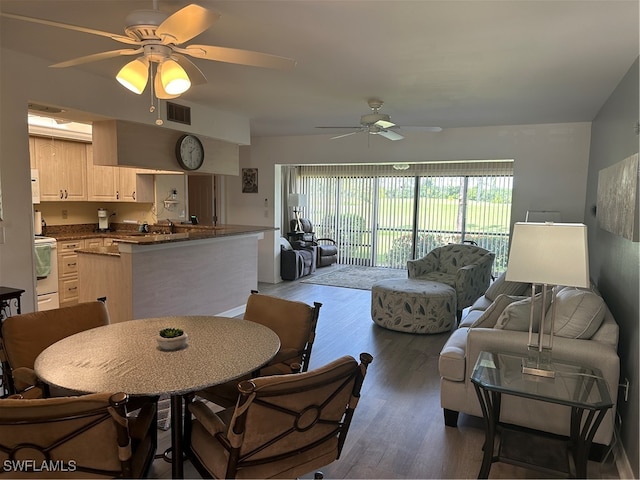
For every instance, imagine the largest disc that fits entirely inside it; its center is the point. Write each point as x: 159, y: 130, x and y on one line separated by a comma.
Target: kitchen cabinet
x: 93, y: 242
x: 62, y: 166
x: 68, y: 271
x: 116, y: 184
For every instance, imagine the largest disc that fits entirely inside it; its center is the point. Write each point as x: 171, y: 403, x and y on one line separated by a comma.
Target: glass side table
x: 581, y: 388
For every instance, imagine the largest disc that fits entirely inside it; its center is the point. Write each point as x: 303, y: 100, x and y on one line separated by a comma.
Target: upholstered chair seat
x: 295, y: 324
x: 282, y: 426
x: 25, y: 336
x: 87, y: 436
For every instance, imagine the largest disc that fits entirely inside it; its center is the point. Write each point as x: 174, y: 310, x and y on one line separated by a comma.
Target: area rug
x: 353, y: 276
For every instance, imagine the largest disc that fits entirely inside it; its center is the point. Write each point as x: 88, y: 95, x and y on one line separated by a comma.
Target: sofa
x: 585, y: 332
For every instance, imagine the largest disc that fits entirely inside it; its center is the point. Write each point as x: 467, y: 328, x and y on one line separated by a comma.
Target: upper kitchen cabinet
x: 114, y: 184
x: 129, y: 144
x: 62, y: 167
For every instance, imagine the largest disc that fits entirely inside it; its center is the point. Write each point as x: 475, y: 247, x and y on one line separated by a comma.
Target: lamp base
x: 538, y: 363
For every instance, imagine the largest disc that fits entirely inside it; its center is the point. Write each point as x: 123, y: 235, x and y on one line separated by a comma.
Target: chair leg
x: 450, y: 417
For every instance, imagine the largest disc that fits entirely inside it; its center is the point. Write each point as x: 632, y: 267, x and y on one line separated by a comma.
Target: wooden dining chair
x: 25, y: 336
x: 295, y: 324
x: 79, y: 436
x: 283, y: 426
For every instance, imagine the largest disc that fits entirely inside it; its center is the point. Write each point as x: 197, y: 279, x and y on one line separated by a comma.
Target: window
x: 380, y: 216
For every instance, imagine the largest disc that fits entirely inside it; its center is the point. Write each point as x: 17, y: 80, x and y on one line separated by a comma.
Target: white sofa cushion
x: 516, y: 315
x: 502, y: 286
x: 490, y: 316
x: 579, y: 313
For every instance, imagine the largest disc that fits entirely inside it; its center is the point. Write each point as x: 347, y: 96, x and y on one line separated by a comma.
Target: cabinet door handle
x: 61, y: 194
x: 133, y: 195
x: 117, y: 195
x: 66, y: 194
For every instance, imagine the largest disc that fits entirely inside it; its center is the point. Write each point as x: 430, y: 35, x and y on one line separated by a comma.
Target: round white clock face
x: 190, y: 152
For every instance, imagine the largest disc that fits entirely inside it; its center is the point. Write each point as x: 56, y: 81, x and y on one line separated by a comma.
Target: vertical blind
x: 383, y: 216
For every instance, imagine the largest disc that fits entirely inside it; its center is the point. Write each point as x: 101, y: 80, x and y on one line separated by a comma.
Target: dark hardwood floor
x: 398, y: 429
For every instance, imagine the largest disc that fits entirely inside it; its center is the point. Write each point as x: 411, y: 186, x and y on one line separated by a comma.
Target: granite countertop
x: 157, y: 233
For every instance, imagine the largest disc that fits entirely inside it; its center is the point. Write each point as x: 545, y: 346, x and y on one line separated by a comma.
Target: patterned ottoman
x: 414, y: 306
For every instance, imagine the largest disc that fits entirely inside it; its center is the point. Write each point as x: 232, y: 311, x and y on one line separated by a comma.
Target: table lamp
x: 547, y: 254
x: 298, y: 201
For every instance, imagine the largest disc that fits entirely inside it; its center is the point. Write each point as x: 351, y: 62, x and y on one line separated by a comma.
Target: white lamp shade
x: 175, y: 80
x: 159, y: 90
x: 134, y: 75
x: 550, y: 254
x: 297, y: 200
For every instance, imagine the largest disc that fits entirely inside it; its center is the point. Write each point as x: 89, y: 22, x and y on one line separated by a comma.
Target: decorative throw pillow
x: 579, y: 313
x: 516, y: 315
x: 502, y: 286
x: 490, y: 315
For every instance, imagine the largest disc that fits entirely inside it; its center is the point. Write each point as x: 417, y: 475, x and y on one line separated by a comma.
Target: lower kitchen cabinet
x: 68, y: 271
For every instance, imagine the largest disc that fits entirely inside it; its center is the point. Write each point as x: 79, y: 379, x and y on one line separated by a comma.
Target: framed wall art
x: 249, y: 180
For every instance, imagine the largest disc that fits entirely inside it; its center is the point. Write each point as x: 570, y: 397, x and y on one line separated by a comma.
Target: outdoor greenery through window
x: 382, y: 216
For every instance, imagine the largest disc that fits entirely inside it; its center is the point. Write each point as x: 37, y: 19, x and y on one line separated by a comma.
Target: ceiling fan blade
x: 112, y: 36
x: 240, y: 57
x: 352, y: 128
x: 186, y: 23
x: 195, y: 74
x: 384, y: 124
x: 346, y: 135
x: 390, y: 134
x: 420, y: 129
x: 97, y: 56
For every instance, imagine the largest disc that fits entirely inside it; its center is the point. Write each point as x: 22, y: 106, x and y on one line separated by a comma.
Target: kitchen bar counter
x: 159, y: 233
x: 200, y: 272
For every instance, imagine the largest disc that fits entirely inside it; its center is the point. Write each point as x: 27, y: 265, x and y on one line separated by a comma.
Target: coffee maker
x: 103, y: 220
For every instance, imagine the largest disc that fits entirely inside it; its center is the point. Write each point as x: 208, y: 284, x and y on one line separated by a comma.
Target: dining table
x: 126, y: 357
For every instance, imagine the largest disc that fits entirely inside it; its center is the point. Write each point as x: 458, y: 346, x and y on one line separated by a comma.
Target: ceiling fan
x: 377, y: 123
x: 155, y: 38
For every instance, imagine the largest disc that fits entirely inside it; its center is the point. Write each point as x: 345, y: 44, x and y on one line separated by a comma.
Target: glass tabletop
x: 573, y: 385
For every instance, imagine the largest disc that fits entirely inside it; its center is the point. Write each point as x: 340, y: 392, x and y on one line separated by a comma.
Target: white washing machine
x: 47, y: 286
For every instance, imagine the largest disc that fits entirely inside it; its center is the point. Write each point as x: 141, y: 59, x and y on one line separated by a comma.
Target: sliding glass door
x: 380, y: 216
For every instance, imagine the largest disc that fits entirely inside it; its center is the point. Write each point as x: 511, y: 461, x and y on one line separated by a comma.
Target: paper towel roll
x: 37, y: 223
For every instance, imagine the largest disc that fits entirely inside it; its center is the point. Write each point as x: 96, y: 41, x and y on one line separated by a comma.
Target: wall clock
x: 189, y: 152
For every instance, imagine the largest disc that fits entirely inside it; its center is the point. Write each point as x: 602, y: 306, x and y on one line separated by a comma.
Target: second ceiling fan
x: 376, y: 123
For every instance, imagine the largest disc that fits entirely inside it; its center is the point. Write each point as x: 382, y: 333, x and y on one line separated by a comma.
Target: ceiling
x: 434, y: 63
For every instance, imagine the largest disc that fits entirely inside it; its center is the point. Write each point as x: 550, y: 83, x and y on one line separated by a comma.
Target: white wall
x: 550, y: 168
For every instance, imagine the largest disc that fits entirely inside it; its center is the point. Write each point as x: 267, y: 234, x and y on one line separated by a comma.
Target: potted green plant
x: 172, y: 338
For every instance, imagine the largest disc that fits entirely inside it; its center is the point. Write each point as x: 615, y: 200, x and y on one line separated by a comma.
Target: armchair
x: 296, y: 262
x: 80, y: 436
x: 282, y: 426
x: 466, y: 268
x: 327, y: 253
x: 25, y: 336
x: 294, y: 322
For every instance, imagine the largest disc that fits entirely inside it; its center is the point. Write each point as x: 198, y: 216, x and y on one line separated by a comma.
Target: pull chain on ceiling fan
x: 157, y: 37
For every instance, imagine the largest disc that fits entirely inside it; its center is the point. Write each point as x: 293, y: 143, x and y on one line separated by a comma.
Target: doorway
x: 202, y: 198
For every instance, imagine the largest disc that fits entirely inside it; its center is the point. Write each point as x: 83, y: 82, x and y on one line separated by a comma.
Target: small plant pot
x: 174, y: 343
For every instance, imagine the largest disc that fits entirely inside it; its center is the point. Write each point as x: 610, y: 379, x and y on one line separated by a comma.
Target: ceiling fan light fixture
x: 173, y: 77
x: 159, y: 90
x: 134, y: 75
